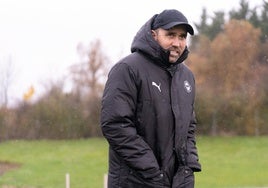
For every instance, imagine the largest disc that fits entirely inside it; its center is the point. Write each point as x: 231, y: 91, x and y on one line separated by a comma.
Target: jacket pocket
x: 184, y: 178
x: 136, y: 181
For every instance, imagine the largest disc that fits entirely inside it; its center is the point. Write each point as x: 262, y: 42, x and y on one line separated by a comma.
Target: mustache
x: 171, y: 49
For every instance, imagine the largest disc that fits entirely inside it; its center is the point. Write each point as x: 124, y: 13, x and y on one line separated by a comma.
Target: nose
x: 176, y: 41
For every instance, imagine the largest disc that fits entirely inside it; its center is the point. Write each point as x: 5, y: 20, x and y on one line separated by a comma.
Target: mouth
x: 174, y: 53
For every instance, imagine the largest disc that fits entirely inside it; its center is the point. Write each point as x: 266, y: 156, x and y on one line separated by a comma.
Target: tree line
x: 59, y: 114
x: 228, y: 57
x: 230, y: 60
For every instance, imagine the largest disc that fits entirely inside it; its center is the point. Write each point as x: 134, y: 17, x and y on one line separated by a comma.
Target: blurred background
x: 55, y: 57
x: 54, y: 61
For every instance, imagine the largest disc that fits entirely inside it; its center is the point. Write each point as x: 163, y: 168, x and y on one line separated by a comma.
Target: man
x: 147, y: 111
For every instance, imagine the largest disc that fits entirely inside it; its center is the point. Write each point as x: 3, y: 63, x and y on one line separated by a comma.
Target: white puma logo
x: 158, y: 86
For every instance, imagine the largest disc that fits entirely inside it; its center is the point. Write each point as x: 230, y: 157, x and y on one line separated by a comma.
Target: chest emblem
x: 158, y: 86
x: 187, y: 86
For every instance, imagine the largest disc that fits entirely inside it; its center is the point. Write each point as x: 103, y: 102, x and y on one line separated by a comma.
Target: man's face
x: 173, y: 40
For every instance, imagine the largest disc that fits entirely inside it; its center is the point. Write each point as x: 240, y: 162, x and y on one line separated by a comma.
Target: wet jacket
x: 148, y: 117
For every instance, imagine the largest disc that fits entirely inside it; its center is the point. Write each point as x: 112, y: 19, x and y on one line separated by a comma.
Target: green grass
x: 233, y: 162
x: 45, y: 163
x: 227, y: 162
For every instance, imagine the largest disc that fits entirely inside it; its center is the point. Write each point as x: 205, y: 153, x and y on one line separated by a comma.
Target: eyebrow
x: 184, y: 34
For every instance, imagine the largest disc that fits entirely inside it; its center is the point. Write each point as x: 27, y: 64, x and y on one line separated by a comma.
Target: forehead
x: 178, y: 28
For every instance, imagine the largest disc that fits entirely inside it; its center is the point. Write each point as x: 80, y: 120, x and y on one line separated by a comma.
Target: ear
x: 154, y: 34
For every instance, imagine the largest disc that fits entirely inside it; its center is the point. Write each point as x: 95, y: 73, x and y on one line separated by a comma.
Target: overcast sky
x: 40, y: 37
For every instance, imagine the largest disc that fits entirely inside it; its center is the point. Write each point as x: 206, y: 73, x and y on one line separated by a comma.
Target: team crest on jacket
x: 187, y: 86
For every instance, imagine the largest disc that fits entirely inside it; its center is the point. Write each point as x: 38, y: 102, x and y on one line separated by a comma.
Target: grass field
x: 227, y: 162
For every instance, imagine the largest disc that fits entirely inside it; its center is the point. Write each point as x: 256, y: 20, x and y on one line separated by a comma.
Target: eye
x: 183, y: 36
x: 171, y: 35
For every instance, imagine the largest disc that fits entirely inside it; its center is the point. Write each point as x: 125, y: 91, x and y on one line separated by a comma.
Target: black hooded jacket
x: 148, y: 117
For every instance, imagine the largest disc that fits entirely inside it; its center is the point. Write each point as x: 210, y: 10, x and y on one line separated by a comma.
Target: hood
x: 144, y: 43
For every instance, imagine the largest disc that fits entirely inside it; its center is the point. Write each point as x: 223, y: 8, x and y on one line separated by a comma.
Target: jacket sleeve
x: 192, y: 156
x: 118, y: 124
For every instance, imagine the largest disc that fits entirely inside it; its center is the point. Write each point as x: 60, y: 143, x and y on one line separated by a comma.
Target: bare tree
x: 87, y: 74
x: 88, y: 77
x: 6, y: 77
